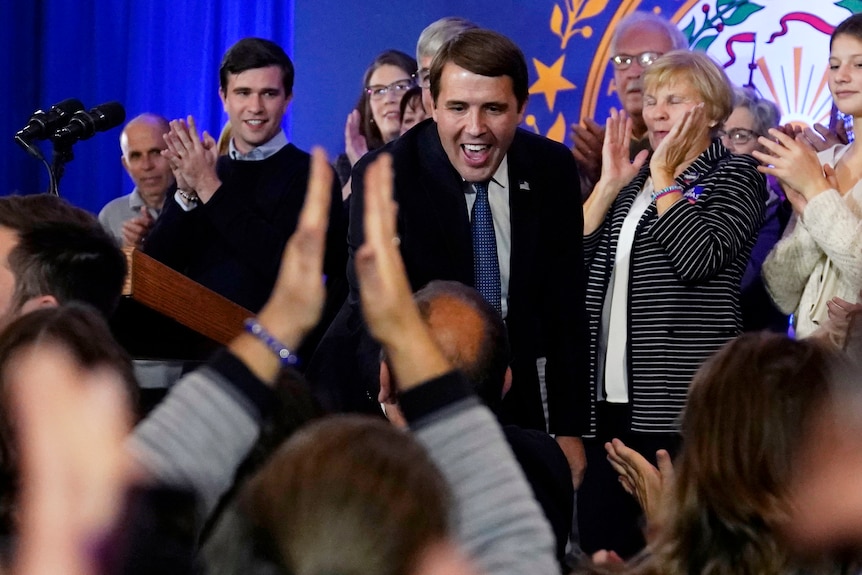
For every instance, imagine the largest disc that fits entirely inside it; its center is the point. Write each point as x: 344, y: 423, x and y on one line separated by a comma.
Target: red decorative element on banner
x: 748, y: 37
x: 815, y: 22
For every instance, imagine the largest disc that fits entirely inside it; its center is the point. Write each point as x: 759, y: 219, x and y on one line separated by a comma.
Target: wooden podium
x: 165, y: 315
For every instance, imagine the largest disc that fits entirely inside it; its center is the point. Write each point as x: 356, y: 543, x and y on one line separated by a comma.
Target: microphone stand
x: 62, y: 155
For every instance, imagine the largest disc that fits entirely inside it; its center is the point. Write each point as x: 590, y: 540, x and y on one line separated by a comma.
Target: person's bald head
x: 471, y: 335
x: 142, y: 142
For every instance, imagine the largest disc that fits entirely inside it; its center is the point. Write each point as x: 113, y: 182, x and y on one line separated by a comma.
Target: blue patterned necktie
x: 486, y: 268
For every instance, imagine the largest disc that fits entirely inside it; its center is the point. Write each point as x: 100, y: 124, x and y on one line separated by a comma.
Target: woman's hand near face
x: 794, y: 162
x: 686, y: 140
x: 617, y: 169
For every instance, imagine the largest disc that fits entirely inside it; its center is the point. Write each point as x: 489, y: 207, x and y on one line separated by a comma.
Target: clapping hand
x: 192, y: 159
x: 617, y: 169
x: 795, y: 163
x: 651, y: 486
x: 136, y: 230
x: 588, y: 138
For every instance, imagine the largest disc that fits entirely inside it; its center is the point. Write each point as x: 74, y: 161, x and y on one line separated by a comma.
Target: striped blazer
x: 684, y: 280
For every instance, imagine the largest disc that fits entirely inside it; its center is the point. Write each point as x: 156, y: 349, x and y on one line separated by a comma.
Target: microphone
x: 43, y: 124
x: 84, y: 125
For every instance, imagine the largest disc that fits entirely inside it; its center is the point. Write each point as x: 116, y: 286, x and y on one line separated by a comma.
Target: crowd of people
x: 470, y: 349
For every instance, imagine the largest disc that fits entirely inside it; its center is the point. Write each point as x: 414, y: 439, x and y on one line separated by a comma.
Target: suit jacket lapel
x: 443, y: 195
x: 524, y: 208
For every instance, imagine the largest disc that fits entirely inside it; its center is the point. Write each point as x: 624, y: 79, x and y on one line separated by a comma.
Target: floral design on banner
x: 565, y: 23
x: 780, y: 47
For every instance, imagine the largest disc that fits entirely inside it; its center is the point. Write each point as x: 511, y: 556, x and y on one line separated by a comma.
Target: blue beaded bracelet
x: 666, y: 191
x: 284, y: 355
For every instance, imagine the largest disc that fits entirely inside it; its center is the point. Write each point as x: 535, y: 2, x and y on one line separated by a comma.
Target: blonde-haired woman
x: 665, y: 245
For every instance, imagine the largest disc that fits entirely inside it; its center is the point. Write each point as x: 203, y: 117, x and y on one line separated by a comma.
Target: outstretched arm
x: 74, y: 474
x: 203, y: 430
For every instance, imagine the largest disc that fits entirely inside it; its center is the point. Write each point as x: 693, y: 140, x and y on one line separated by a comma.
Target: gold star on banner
x: 550, y: 81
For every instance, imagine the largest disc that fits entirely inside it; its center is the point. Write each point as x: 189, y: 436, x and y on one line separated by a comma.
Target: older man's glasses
x: 736, y: 136
x: 624, y: 61
x: 398, y: 88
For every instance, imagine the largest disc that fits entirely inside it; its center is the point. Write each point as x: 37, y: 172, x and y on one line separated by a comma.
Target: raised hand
x: 588, y: 138
x: 355, y: 145
x: 617, y: 169
x: 378, y: 261
x: 296, y: 302
x: 385, y: 295
x: 70, y: 428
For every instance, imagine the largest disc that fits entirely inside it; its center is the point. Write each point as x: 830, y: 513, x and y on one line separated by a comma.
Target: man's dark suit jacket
x: 546, y: 315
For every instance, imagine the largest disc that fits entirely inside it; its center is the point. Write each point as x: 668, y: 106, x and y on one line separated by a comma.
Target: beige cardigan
x: 828, y: 233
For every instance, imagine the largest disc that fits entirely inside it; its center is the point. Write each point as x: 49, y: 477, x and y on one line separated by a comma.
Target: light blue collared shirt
x: 261, y: 152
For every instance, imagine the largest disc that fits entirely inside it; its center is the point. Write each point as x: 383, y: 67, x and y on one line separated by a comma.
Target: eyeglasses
x: 379, y: 92
x: 737, y: 136
x: 423, y: 78
x: 624, y: 61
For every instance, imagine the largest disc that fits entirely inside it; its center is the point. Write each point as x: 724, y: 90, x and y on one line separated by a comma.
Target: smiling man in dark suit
x: 498, y: 208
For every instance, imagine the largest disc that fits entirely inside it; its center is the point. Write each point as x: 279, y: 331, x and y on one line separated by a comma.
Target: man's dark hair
x: 251, y: 53
x: 486, y: 53
x: 487, y: 370
x: 62, y: 251
x: 22, y: 213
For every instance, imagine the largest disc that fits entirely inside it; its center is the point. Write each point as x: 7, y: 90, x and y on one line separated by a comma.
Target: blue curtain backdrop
x: 158, y: 55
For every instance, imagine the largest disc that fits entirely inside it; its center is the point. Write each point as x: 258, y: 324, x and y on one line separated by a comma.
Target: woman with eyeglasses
x: 752, y: 117
x: 665, y: 245
x: 376, y: 120
x: 815, y: 271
